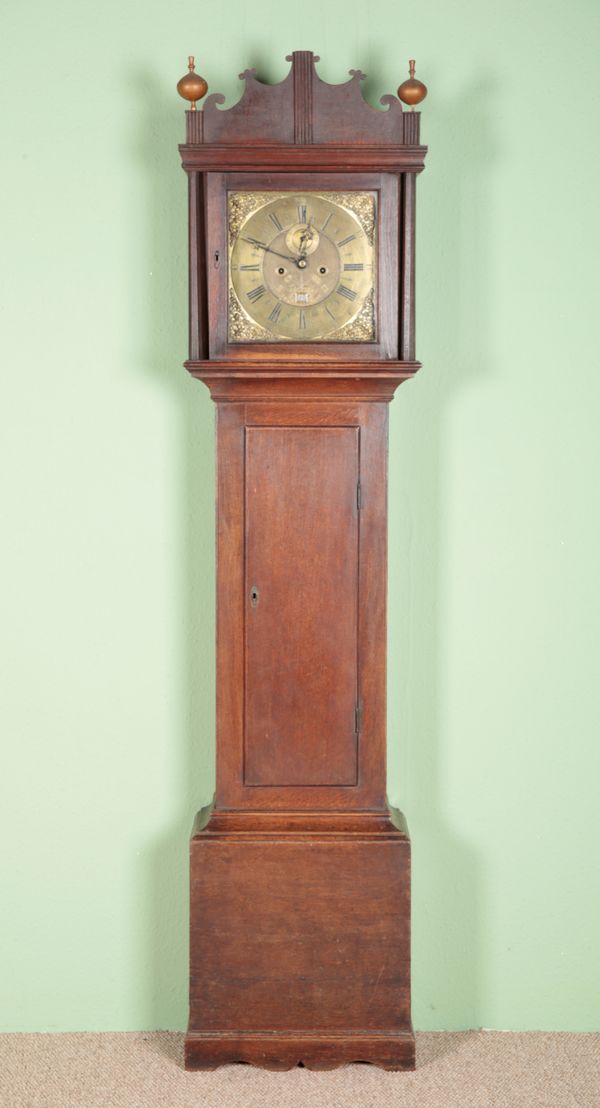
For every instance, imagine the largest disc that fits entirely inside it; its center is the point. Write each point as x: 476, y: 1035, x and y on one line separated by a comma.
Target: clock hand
x: 263, y: 246
x: 306, y: 239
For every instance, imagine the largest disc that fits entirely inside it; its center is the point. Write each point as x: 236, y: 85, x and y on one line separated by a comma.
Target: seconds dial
x: 301, y: 267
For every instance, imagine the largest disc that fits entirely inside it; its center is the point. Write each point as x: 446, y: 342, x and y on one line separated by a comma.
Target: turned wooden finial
x: 412, y: 91
x: 192, y: 87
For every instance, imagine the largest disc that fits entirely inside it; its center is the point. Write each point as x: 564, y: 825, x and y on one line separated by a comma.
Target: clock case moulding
x: 300, y: 893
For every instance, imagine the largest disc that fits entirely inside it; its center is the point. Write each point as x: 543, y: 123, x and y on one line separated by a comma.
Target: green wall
x: 107, y: 547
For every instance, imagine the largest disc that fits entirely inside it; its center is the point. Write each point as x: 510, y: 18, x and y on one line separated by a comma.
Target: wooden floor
x: 470, y: 1069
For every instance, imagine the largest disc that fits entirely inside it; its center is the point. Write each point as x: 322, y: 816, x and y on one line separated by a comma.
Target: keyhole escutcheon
x: 254, y: 596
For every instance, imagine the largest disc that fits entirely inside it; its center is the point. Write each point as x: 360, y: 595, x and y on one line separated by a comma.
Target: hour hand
x: 263, y: 246
x: 306, y: 240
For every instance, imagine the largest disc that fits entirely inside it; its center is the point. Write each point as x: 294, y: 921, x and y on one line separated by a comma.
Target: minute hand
x: 263, y: 246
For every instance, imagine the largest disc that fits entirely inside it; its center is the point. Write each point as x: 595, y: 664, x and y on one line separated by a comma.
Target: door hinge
x: 358, y: 718
x: 358, y: 495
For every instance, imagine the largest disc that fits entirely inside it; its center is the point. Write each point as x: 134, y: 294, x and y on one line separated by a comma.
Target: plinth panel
x: 301, y: 940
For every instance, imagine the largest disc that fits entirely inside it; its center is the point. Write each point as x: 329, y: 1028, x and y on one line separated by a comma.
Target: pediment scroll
x: 302, y: 110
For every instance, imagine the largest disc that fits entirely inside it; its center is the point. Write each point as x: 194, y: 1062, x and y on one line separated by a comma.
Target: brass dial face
x: 302, y: 266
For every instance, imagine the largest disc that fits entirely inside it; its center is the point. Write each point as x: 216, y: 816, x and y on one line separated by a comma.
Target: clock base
x: 300, y: 940
x: 277, y: 1050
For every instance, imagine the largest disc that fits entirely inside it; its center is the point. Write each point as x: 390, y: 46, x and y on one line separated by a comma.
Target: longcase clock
x: 301, y: 252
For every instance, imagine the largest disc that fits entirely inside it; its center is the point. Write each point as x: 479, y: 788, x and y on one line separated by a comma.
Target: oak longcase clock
x: 301, y: 248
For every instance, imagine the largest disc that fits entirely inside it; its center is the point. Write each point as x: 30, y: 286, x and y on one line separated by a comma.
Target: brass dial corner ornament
x: 302, y: 266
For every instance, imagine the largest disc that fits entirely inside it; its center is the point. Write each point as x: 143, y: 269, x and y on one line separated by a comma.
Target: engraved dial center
x: 305, y: 284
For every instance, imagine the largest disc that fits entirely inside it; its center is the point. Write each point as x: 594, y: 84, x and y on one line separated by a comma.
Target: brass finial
x: 412, y: 91
x: 192, y: 87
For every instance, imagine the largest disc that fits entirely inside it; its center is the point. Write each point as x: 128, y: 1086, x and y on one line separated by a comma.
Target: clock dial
x: 302, y: 267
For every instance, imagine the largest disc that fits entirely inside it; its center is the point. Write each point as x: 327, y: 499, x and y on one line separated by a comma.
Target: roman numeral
x: 255, y: 268
x: 349, y: 238
x: 326, y: 221
x: 354, y: 265
x: 302, y: 213
x: 350, y: 294
x: 301, y: 320
x: 255, y: 294
x: 274, y: 315
x: 330, y: 313
x: 275, y: 221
